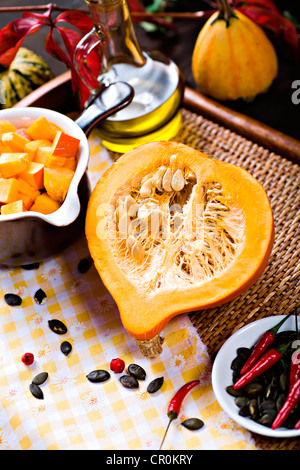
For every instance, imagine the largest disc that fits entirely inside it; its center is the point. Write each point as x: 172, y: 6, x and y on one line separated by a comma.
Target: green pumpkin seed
x: 98, y: 375
x: 193, y: 424
x: 40, y: 378
x: 155, y: 385
x: 129, y: 382
x: 57, y: 327
x: 66, y: 348
x: 36, y: 391
x: 137, y: 372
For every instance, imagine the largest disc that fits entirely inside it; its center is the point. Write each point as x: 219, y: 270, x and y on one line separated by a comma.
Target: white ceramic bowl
x: 31, y: 236
x: 222, y: 373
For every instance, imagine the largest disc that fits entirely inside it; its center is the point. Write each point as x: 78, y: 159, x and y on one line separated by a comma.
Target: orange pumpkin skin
x: 234, y: 61
x: 145, y: 311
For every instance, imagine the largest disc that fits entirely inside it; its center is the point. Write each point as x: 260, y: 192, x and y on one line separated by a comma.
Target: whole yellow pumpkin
x: 232, y: 57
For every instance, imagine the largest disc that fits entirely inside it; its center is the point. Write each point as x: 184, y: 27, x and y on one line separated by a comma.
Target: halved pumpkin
x: 173, y: 230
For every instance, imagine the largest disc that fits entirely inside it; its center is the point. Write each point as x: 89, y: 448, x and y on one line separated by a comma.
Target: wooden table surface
x: 274, y: 108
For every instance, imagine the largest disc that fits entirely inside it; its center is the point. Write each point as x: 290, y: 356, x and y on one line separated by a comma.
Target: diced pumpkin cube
x: 55, y: 162
x: 45, y: 204
x: 13, y: 207
x: 23, y: 133
x: 14, y: 142
x: 11, y: 164
x: 57, y: 182
x: 65, y: 145
x: 42, y: 154
x: 6, y: 126
x: 8, y: 190
x: 27, y: 200
x: 26, y: 189
x: 32, y: 147
x: 71, y: 163
x: 34, y: 175
x: 41, y: 128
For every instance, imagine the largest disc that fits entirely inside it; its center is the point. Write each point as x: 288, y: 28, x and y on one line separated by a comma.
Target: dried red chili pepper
x: 297, y: 425
x: 288, y: 406
x: 176, y: 402
x: 262, y: 344
x: 267, y: 360
x: 295, y: 359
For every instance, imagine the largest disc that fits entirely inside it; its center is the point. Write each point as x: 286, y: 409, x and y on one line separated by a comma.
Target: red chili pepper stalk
x: 267, y: 360
x: 288, y: 406
x: 262, y: 344
x: 175, y: 403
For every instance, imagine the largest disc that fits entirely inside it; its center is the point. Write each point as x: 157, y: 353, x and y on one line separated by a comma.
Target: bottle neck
x: 113, y: 23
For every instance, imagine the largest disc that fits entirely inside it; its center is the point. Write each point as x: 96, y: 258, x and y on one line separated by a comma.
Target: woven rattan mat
x: 277, y: 291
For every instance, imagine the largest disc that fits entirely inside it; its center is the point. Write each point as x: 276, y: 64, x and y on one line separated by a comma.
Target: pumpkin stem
x: 150, y: 347
x: 225, y: 11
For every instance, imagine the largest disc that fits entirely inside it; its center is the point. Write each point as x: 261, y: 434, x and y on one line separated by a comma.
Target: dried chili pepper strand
x: 176, y: 402
x: 262, y: 344
x: 297, y: 425
x: 288, y: 406
x: 267, y: 360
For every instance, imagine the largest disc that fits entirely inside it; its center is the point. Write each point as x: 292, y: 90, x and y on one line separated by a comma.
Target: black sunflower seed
x: 137, y: 371
x: 57, y: 327
x: 40, y: 297
x: 83, y: 265
x: 129, y: 382
x: 12, y: 300
x: 193, y: 424
x: 155, y: 385
x: 40, y: 378
x: 36, y: 391
x: 98, y: 375
x: 66, y: 348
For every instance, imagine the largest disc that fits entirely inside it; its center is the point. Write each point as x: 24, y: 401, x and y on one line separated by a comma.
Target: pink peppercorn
x: 117, y: 365
x: 28, y: 359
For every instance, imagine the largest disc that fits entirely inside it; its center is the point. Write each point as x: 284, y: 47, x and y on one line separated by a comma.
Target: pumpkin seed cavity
x: 172, y: 230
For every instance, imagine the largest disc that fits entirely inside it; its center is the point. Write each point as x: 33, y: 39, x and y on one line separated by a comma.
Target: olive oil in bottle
x: 154, y: 113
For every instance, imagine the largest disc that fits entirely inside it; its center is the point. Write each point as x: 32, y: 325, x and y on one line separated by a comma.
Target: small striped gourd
x: 27, y: 72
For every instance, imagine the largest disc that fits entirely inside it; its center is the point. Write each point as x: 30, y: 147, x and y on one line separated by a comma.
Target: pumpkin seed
x: 57, y: 327
x: 244, y: 411
x: 98, y: 375
x: 253, y: 408
x: 155, y: 385
x: 241, y: 401
x: 193, y: 424
x: 178, y: 180
x: 40, y: 297
x: 268, y: 418
x: 36, y: 391
x: 83, y: 265
x: 284, y: 382
x: 66, y: 348
x: 129, y: 382
x: 40, y: 378
x: 29, y: 267
x: 233, y: 392
x: 12, y: 300
x: 137, y: 371
x: 267, y: 405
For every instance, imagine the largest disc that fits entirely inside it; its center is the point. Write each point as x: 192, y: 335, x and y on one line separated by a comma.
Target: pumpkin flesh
x: 213, y: 239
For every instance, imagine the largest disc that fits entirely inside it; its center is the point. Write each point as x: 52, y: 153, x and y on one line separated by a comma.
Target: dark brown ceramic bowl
x: 30, y: 237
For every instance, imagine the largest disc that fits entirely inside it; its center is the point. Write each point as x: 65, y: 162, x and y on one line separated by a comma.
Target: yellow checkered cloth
x: 76, y: 414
